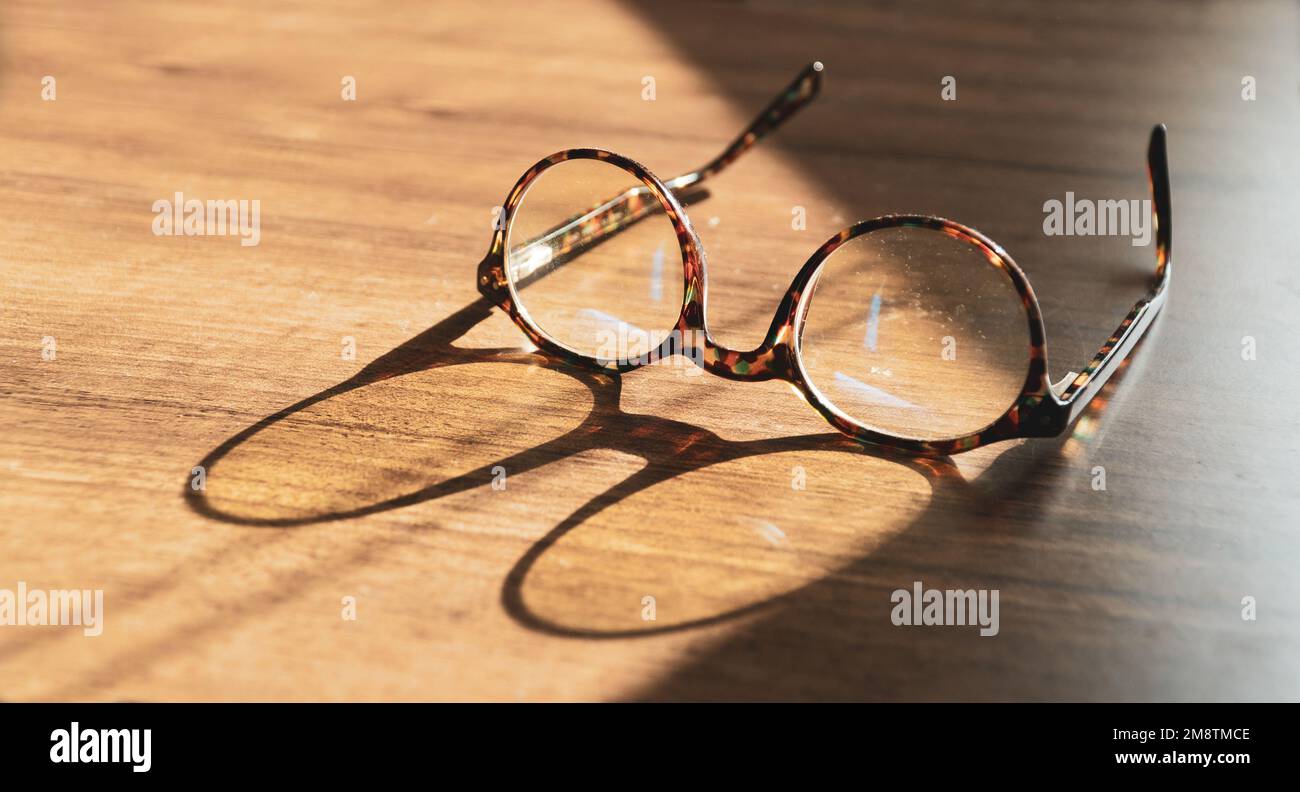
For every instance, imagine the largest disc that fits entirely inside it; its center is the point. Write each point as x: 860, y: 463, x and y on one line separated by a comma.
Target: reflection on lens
x: 594, y: 261
x: 915, y: 333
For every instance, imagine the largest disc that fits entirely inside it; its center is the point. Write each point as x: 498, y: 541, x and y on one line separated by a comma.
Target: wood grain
x: 373, y: 477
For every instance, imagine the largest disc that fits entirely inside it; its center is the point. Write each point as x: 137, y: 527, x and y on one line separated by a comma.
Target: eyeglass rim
x: 1023, y: 416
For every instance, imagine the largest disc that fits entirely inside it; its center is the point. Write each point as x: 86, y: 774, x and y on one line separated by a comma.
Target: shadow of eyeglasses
x: 670, y: 448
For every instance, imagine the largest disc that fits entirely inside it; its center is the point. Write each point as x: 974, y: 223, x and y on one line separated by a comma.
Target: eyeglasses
x: 906, y: 331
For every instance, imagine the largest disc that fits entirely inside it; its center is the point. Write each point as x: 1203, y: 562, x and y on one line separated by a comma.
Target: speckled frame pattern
x: 1037, y: 411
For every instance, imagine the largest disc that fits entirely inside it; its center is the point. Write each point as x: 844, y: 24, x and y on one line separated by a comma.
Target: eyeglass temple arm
x: 1110, y: 357
x: 796, y: 96
x: 581, y: 232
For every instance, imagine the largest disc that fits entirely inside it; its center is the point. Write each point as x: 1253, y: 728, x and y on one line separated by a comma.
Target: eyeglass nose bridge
x: 756, y: 365
x: 773, y: 359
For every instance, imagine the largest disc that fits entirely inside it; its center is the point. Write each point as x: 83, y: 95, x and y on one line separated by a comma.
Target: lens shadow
x: 421, y: 422
x: 719, y: 530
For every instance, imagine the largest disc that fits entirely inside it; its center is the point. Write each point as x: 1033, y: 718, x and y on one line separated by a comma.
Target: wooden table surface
x: 371, y: 477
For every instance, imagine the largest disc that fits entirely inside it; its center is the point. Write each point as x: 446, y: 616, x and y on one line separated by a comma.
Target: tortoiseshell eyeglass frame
x: 1040, y: 410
